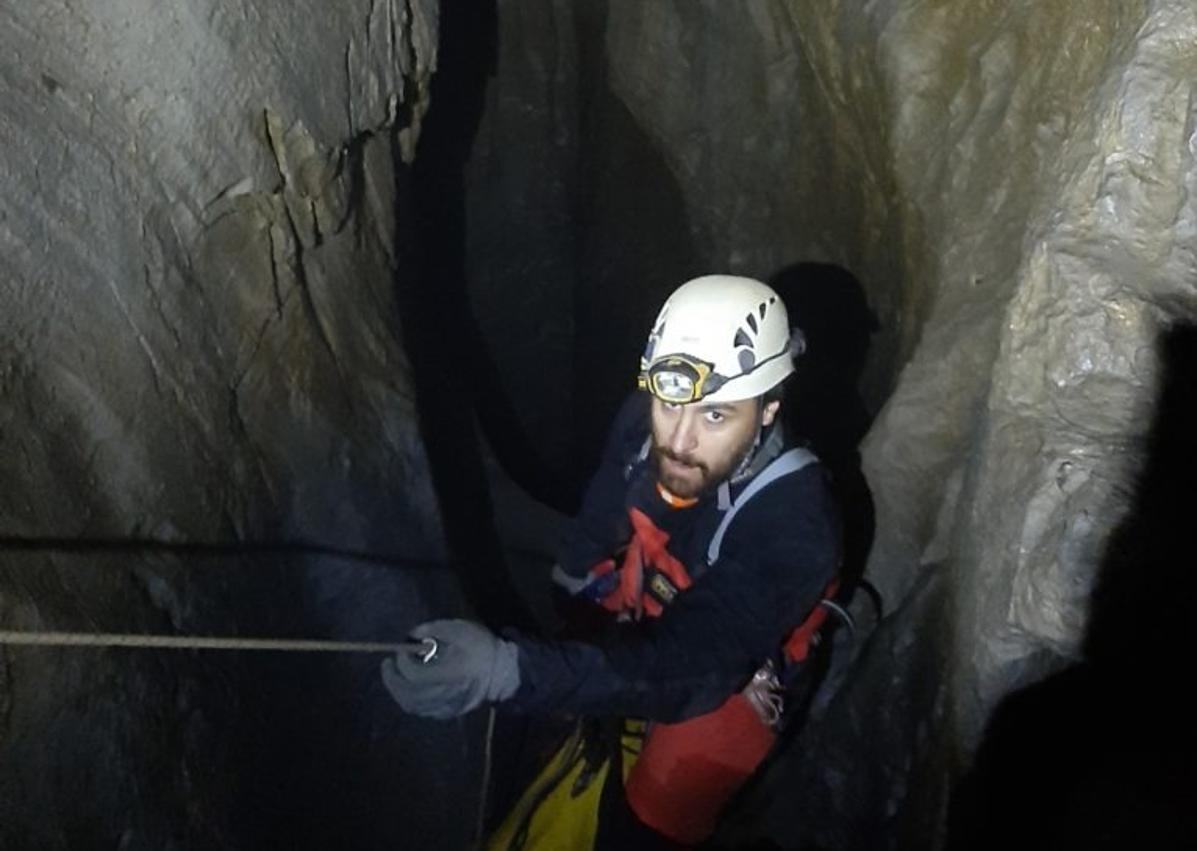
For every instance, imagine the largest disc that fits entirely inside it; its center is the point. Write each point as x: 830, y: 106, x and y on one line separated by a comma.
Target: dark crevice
x: 454, y: 379
x: 822, y: 405
x: 633, y: 243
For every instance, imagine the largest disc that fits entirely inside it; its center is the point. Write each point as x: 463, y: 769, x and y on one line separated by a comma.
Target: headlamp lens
x: 673, y: 386
x: 680, y: 379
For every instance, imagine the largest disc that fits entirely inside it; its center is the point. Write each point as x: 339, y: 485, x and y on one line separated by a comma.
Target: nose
x: 684, y: 437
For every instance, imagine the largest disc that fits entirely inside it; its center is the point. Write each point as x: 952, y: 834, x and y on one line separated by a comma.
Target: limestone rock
x: 198, y: 344
x: 196, y: 230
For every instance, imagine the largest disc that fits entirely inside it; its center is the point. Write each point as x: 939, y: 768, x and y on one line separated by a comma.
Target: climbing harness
x: 687, y: 771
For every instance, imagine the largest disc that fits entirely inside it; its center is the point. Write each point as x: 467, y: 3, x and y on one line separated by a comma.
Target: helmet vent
x: 746, y: 343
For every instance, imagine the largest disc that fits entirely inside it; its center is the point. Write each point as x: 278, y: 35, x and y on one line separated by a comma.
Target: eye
x: 715, y: 417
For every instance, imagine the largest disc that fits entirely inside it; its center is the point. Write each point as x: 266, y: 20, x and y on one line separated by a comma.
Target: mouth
x: 677, y: 466
x: 683, y: 478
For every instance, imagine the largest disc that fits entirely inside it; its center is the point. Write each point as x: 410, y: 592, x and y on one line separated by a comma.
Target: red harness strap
x: 797, y: 646
x: 645, y: 550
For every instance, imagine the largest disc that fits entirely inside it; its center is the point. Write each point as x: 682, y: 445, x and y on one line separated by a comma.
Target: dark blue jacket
x: 778, y: 555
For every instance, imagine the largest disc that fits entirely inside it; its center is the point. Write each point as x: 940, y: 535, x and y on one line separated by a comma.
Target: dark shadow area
x: 173, y: 748
x: 454, y: 379
x: 202, y: 549
x: 324, y: 758
x: 1102, y: 754
x: 632, y: 248
x: 823, y: 407
x: 634, y: 245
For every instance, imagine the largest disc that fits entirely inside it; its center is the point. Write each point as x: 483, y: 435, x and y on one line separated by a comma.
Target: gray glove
x: 471, y: 665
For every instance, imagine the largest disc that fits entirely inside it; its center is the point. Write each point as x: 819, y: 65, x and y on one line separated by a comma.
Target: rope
x: 484, y: 795
x: 196, y: 642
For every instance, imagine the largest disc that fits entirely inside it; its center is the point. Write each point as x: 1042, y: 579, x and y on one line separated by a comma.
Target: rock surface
x: 1059, y: 233
x: 196, y: 236
x: 198, y: 344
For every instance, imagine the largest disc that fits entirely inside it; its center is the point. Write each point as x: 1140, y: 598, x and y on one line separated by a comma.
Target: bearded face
x: 697, y: 446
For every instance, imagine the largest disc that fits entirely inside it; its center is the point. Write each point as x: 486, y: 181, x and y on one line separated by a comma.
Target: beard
x: 687, y: 477
x: 680, y: 475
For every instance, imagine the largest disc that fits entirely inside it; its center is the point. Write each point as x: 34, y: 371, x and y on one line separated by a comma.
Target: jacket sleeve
x: 779, y: 554
x: 601, y: 525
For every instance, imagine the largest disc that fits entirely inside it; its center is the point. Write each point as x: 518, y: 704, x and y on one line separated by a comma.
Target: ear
x: 769, y: 412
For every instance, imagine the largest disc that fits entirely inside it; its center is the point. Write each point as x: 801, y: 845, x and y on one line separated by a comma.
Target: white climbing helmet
x: 719, y: 338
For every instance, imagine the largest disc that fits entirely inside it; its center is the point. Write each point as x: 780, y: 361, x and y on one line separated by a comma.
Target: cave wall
x: 186, y: 198
x: 1045, y: 151
x: 198, y: 345
x: 1010, y: 182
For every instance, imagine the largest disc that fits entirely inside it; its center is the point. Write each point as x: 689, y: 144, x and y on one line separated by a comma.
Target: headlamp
x: 680, y: 379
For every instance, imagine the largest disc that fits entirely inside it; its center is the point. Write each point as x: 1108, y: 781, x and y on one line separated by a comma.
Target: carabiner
x: 423, y: 650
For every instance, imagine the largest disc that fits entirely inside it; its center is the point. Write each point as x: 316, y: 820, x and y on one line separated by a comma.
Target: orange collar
x: 673, y: 500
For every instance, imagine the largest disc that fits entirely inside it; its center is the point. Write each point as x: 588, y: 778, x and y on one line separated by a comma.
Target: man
x: 707, y: 539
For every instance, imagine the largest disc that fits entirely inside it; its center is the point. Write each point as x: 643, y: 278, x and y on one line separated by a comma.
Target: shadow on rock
x: 1101, y: 755
x: 822, y: 405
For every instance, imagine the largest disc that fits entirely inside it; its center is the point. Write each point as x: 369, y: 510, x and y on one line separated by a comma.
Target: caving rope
x: 425, y: 650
